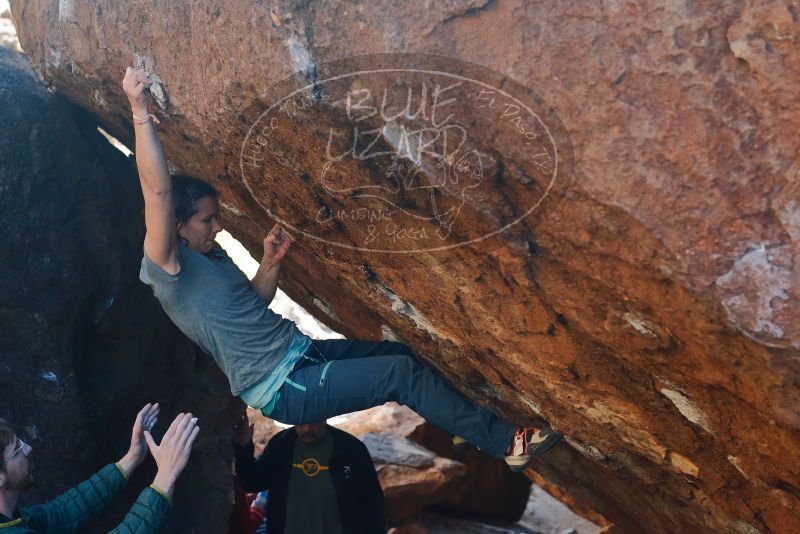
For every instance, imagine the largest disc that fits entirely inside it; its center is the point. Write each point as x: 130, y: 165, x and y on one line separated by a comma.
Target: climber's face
x: 310, y: 432
x: 201, y: 229
x: 16, y: 473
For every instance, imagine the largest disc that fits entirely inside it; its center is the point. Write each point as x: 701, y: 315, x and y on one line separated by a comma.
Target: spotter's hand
x: 243, y: 431
x: 145, y: 421
x: 173, y: 452
x: 276, y: 244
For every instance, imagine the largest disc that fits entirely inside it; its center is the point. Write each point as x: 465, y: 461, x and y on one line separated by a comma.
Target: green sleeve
x: 71, y: 511
x: 146, y: 515
x: 17, y: 526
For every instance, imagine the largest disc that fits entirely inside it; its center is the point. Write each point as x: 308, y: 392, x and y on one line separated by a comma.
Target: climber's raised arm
x: 265, y: 282
x: 159, y: 211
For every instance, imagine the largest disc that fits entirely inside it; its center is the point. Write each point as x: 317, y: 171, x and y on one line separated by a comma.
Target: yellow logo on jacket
x: 310, y: 467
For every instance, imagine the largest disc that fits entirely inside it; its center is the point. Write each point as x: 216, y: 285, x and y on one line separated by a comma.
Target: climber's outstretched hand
x: 134, y: 84
x: 276, y: 244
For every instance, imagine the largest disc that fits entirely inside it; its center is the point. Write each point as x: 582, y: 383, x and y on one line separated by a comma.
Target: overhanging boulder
x: 648, y: 309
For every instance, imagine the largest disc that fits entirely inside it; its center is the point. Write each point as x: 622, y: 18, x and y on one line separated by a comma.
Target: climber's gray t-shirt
x: 211, y: 301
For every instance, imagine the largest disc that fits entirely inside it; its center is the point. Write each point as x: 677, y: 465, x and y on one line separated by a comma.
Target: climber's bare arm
x: 159, y: 212
x: 276, y: 244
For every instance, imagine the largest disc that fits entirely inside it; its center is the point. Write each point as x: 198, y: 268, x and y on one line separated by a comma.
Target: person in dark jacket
x: 72, y: 511
x: 320, y: 480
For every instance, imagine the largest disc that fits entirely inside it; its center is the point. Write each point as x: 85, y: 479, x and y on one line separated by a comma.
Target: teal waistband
x: 263, y: 394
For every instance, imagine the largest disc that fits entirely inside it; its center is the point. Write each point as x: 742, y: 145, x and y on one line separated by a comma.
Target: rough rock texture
x: 8, y: 34
x: 487, y: 489
x: 428, y: 523
x: 411, y: 476
x: 391, y: 417
x: 83, y: 344
x: 546, y: 515
x: 651, y: 315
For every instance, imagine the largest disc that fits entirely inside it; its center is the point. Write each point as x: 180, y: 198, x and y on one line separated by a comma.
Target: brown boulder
x: 428, y: 523
x: 487, y: 489
x: 391, y: 418
x: 412, y: 477
x: 651, y: 315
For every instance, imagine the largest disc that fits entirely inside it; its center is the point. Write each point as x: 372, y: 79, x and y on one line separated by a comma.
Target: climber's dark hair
x: 186, y: 191
x: 6, y: 435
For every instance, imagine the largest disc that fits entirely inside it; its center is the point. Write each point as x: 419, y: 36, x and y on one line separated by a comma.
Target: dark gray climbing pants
x: 338, y: 376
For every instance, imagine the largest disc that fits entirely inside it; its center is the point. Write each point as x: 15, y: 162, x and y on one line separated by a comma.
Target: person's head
x: 310, y: 432
x: 15, y: 467
x: 196, y: 212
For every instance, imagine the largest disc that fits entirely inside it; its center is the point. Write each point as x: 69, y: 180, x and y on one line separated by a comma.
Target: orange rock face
x: 617, y: 253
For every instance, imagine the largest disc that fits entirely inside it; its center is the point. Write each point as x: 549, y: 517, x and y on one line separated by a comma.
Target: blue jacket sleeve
x: 146, y: 515
x: 69, y: 513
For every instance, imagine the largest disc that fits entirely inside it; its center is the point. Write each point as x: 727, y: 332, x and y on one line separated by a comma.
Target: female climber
x: 269, y: 363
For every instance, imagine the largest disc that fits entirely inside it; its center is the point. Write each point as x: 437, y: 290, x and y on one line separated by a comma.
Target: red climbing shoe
x: 528, y: 443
